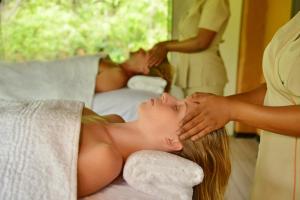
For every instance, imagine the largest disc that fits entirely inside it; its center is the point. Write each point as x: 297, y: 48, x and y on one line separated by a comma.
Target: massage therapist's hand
x: 210, y: 113
x: 158, y: 54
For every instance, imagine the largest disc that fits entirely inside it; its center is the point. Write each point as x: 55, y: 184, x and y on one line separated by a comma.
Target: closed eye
x: 176, y: 107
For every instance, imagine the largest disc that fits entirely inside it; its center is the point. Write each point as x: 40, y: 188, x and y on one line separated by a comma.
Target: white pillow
x: 147, y: 83
x: 163, y: 175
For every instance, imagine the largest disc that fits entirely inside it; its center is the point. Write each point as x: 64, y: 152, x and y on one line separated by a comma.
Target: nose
x: 166, y: 98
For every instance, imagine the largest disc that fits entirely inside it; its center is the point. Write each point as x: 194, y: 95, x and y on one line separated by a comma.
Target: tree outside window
x: 55, y: 29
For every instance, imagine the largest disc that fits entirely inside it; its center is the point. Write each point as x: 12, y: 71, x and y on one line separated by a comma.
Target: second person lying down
x: 112, y: 75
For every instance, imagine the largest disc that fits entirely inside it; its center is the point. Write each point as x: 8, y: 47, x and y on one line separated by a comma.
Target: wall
x: 278, y: 13
x: 229, y: 49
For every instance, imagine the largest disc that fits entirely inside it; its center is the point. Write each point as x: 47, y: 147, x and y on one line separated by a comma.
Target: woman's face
x: 138, y: 61
x: 161, y: 117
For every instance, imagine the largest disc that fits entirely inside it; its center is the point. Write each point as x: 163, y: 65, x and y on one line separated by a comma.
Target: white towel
x: 39, y: 149
x: 148, y: 83
x: 163, y: 175
x: 71, y: 79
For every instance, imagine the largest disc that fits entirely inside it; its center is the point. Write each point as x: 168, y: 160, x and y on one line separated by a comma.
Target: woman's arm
x: 99, y: 162
x: 195, y: 44
x: 281, y: 119
x: 214, y: 112
x: 98, y: 165
x: 198, y: 43
x: 255, y: 96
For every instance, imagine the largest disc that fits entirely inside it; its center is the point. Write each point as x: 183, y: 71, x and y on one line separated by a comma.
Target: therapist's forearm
x: 255, y: 96
x: 194, y: 44
x: 186, y: 46
x: 283, y: 120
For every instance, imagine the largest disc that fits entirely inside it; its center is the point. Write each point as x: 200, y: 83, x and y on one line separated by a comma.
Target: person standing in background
x: 273, y: 107
x: 199, y: 64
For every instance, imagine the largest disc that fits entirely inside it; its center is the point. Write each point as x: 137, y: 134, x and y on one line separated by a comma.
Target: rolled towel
x: 148, y: 83
x: 163, y: 175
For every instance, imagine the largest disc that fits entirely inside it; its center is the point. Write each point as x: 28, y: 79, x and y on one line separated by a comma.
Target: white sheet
x: 39, y: 149
x: 72, y: 79
x: 119, y: 190
x: 123, y: 102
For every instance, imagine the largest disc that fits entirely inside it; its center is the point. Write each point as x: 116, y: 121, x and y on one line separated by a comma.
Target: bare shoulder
x: 114, y: 118
x: 97, y: 167
x: 111, y: 79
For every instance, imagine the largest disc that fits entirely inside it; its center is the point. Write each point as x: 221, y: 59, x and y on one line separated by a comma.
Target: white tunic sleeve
x: 214, y: 14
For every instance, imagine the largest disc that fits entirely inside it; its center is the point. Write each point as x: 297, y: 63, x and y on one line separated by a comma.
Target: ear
x: 173, y: 144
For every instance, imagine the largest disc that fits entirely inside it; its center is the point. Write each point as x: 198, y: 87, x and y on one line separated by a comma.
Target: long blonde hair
x: 211, y: 152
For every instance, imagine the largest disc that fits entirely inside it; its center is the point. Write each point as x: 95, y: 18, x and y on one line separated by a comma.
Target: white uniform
x: 278, y: 165
x: 203, y: 71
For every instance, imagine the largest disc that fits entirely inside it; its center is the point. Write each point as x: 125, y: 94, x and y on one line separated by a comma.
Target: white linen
x: 39, y: 149
x: 119, y: 190
x: 71, y: 79
x: 147, y: 83
x: 163, y: 175
x: 123, y: 102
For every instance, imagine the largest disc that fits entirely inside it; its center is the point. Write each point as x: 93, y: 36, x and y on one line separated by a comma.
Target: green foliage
x: 43, y: 30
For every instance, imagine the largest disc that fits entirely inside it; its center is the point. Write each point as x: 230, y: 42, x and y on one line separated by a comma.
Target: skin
x: 214, y: 112
x: 113, y: 76
x: 105, y: 146
x: 195, y: 44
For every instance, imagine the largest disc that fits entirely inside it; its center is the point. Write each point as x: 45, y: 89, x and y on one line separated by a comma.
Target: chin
x: 144, y: 109
x: 141, y: 108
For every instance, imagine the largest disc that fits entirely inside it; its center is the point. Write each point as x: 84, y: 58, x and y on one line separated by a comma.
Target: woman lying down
x: 156, y: 129
x: 106, y: 142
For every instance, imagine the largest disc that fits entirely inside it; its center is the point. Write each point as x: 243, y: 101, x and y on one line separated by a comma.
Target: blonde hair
x: 165, y: 71
x: 211, y: 152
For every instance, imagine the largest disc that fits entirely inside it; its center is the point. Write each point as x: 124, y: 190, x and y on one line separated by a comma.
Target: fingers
x: 187, y: 119
x: 157, y: 55
x: 201, y: 129
x: 197, y: 97
x: 192, y: 127
x: 201, y: 134
x: 155, y: 61
x: 193, y: 131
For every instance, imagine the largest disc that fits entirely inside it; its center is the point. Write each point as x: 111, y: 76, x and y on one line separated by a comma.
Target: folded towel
x: 163, y: 175
x: 70, y: 79
x: 39, y: 149
x: 148, y: 83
